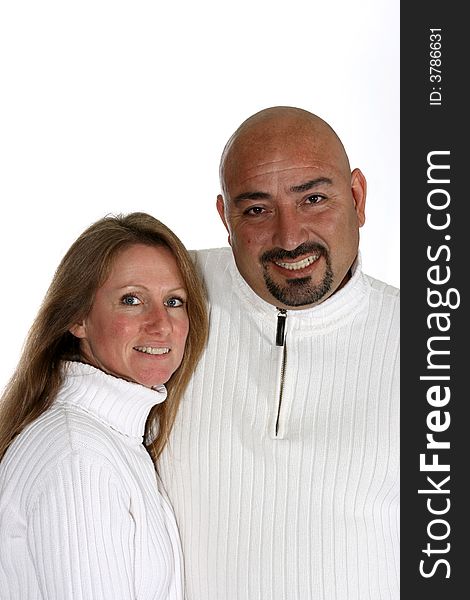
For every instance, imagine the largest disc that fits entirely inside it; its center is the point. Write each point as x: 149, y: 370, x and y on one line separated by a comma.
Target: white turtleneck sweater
x: 283, y: 465
x: 81, y: 517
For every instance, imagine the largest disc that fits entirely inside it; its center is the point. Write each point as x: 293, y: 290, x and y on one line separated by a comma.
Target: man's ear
x: 221, y: 211
x: 78, y: 330
x: 359, y: 192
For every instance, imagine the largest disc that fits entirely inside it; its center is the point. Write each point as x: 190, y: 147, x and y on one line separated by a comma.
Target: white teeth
x: 149, y: 350
x: 301, y: 264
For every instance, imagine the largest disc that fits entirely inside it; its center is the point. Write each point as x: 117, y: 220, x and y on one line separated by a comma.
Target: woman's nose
x: 158, y: 320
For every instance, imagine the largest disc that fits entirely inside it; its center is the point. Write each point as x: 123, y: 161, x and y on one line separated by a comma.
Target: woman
x: 81, y: 515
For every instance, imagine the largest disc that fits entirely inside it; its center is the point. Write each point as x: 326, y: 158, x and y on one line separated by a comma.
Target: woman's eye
x: 130, y: 300
x: 174, y: 302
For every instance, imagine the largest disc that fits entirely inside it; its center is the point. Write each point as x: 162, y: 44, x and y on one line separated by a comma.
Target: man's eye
x: 130, y: 300
x: 174, y: 302
x: 314, y: 199
x: 254, y: 210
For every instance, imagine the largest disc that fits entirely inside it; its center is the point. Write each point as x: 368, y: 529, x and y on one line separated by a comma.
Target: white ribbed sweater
x: 311, y: 513
x: 81, y: 517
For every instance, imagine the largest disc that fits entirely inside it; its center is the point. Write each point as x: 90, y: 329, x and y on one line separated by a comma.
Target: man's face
x: 293, y: 212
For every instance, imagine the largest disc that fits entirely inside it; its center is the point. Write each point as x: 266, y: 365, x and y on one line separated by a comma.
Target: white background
x: 119, y: 106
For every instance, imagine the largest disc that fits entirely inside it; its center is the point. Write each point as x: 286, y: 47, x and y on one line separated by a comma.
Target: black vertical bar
x: 281, y: 327
x: 434, y: 272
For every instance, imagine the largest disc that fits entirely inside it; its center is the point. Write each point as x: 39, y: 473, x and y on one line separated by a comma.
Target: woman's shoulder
x: 57, y: 441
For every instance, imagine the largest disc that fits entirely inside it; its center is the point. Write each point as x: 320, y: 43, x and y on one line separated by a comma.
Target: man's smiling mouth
x: 300, y: 264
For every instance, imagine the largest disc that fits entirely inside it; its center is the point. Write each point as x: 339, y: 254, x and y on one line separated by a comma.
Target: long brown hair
x: 84, y: 268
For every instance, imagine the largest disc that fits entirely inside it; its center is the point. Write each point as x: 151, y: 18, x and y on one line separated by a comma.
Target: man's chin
x: 298, y: 292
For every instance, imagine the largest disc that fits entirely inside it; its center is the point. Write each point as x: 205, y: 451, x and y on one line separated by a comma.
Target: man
x: 283, y: 466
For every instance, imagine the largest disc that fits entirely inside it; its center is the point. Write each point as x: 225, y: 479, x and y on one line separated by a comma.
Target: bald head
x: 291, y: 206
x: 274, y: 131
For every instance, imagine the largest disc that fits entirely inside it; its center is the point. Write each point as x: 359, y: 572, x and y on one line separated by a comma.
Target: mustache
x: 281, y: 254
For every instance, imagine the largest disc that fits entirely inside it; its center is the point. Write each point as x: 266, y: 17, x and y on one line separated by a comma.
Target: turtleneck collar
x: 334, y: 311
x: 122, y: 405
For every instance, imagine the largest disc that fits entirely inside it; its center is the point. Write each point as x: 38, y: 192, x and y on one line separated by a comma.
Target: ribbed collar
x: 120, y: 404
x: 334, y: 311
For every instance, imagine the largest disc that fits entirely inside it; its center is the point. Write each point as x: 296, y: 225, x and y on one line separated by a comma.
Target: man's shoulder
x: 213, y: 266
x: 212, y: 262
x: 381, y: 287
x: 385, y: 295
x: 211, y: 253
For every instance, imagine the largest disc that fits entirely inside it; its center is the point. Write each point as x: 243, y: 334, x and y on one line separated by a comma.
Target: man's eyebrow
x: 251, y: 196
x: 308, y: 185
x: 303, y: 187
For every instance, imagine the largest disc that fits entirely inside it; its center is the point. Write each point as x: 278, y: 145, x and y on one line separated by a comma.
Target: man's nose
x: 289, y: 228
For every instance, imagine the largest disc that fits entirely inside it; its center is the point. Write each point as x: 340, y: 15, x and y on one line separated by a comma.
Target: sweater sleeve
x: 81, y: 534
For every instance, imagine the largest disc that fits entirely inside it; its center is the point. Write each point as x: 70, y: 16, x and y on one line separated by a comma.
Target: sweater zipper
x: 281, y: 341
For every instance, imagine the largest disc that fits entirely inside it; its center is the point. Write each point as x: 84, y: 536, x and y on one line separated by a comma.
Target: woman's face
x: 138, y: 323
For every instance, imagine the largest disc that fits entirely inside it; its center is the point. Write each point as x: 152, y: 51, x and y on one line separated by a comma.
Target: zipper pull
x: 281, y: 326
